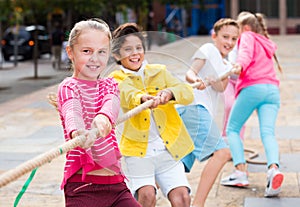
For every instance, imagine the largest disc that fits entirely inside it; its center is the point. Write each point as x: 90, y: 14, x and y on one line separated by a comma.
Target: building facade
x: 282, y: 16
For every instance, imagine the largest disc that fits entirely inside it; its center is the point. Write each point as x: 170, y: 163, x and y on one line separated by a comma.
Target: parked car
x: 25, y: 41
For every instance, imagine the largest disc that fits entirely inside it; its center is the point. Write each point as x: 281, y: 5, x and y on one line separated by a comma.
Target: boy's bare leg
x: 179, y: 197
x: 209, y: 175
x: 147, y: 196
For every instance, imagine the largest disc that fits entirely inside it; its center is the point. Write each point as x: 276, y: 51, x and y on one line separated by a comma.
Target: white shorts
x: 162, y: 168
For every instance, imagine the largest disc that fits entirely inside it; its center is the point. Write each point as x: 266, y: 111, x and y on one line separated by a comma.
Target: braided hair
x: 257, y: 24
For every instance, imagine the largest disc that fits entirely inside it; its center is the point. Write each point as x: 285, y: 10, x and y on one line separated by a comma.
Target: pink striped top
x: 79, y: 101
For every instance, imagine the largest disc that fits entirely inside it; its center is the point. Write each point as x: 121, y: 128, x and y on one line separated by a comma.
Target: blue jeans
x: 204, y: 132
x: 265, y: 100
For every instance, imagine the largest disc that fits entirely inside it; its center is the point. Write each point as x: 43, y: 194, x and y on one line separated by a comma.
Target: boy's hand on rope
x: 193, y: 78
x: 212, y: 81
x: 199, y: 83
x: 102, y: 123
x: 216, y: 83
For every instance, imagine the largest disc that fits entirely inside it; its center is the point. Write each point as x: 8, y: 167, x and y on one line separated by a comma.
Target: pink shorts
x: 79, y: 194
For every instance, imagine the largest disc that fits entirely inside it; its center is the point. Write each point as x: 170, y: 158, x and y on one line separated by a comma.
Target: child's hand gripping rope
x: 162, y: 97
x: 101, y: 128
x: 202, y: 84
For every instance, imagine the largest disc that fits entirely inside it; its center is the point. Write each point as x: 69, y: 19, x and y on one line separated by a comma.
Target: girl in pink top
x: 92, y: 174
x: 256, y: 90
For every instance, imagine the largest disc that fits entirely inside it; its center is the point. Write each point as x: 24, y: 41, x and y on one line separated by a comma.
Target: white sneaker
x: 237, y: 178
x: 275, y: 178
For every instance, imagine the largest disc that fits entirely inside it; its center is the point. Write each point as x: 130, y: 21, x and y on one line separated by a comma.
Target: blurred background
x: 26, y: 25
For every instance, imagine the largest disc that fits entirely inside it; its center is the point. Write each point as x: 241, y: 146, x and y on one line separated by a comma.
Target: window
x: 268, y: 7
x: 293, y: 8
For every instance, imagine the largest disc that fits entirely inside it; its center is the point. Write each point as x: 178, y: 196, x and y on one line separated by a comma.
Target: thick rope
x: 46, y: 157
x: 38, y: 161
x: 52, y: 98
x: 134, y: 111
x: 221, y: 77
x: 253, y: 155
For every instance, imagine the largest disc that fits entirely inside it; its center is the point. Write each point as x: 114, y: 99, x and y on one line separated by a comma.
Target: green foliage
x: 6, y: 9
x: 37, y: 11
x: 33, y: 11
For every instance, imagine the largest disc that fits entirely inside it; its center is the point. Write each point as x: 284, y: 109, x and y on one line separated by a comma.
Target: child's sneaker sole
x: 277, y: 181
x: 275, y: 187
x: 236, y: 184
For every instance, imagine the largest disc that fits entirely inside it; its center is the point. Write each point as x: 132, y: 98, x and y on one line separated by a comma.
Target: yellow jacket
x: 134, y: 138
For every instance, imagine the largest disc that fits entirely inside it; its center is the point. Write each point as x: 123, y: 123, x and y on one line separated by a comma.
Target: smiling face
x: 225, y: 39
x: 90, y: 54
x: 131, y: 54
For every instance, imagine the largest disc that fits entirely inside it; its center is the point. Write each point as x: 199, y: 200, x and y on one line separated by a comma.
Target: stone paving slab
x: 283, y: 132
x: 40, y: 104
x: 287, y: 163
x: 10, y: 160
x: 272, y: 202
x: 38, y: 142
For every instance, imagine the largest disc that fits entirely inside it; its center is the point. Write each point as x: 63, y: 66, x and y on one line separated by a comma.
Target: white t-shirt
x: 214, y: 66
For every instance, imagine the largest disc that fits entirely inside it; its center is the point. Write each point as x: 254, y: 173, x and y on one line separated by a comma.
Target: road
x: 19, y: 81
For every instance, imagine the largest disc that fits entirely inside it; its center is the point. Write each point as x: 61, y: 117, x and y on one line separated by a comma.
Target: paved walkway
x: 30, y: 126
